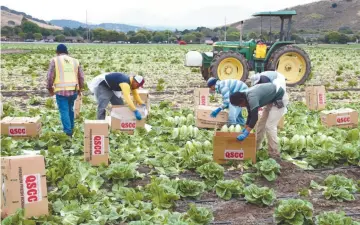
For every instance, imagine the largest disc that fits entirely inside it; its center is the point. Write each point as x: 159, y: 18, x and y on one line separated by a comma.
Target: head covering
x: 255, y: 79
x: 140, y: 80
x: 61, y: 48
x: 211, y: 81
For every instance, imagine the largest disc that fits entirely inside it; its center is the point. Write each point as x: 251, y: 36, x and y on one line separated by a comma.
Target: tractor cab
x: 234, y: 59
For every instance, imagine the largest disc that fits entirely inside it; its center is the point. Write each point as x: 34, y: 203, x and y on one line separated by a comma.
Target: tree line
x: 29, y: 30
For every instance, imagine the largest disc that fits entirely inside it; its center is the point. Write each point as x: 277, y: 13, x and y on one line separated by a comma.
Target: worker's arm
x: 225, y: 92
x: 252, y: 119
x: 137, y: 97
x: 125, y: 88
x: 51, y: 77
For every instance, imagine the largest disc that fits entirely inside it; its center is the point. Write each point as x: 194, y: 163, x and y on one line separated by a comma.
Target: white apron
x: 94, y: 84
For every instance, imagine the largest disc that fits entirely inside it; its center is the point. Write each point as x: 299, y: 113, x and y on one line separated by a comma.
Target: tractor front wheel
x: 229, y: 65
x: 292, y: 62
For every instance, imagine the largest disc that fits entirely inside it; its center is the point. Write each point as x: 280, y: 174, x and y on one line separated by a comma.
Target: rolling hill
x: 322, y: 15
x: 11, y: 17
x: 106, y: 26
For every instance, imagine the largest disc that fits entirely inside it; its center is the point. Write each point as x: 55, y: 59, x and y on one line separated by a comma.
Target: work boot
x: 70, y: 135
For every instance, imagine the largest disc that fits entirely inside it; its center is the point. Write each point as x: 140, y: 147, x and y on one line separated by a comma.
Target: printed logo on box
x: 234, y: 154
x: 98, y: 145
x: 321, y: 98
x: 17, y: 131
x: 127, y: 125
x: 32, y: 188
x: 343, y: 119
x: 203, y: 100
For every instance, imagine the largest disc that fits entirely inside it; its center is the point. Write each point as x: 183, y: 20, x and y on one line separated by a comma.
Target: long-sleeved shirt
x: 51, y: 78
x: 227, y: 88
x: 259, y: 96
x: 125, y: 89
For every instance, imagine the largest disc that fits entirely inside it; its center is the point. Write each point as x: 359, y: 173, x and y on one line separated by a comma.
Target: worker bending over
x: 272, y: 97
x: 226, y: 88
x: 112, y: 87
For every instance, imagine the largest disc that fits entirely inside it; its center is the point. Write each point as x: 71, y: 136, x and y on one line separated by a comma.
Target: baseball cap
x: 61, y: 48
x: 140, y: 80
x: 211, y: 81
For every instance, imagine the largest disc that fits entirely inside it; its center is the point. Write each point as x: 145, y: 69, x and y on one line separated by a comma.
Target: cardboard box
x: 227, y: 147
x: 144, y: 95
x: 23, y: 180
x: 342, y: 118
x: 77, y: 106
x: 21, y: 126
x: 201, y: 96
x: 315, y: 97
x: 123, y: 119
x: 96, y: 142
x: 204, y: 120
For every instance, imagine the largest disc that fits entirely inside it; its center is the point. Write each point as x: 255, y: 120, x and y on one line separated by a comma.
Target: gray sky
x: 178, y: 13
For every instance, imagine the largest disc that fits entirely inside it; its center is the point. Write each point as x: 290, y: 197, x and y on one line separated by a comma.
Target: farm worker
x: 65, y: 79
x: 111, y: 87
x: 272, y: 96
x: 226, y: 88
x: 277, y: 79
x: 265, y: 77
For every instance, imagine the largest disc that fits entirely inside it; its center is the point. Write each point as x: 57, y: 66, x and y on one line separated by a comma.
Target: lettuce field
x: 168, y: 177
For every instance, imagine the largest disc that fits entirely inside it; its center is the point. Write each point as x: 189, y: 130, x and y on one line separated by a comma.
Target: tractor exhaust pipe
x: 240, y: 28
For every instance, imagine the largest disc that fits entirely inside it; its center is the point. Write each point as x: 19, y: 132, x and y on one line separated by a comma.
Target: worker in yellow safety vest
x: 65, y: 79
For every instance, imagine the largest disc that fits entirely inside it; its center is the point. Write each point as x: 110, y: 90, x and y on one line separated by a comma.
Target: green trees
x: 60, y: 38
x: 38, y: 36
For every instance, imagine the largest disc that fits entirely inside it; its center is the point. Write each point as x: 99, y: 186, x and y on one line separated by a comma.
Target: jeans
x: 66, y: 108
x: 104, y: 95
x: 235, y: 115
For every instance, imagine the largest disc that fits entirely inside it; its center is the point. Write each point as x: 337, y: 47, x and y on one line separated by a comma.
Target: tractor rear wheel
x: 229, y: 65
x: 292, y: 62
x: 205, y: 73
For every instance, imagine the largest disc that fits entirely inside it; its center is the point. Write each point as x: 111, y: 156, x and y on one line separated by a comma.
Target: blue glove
x: 242, y: 136
x: 143, y: 105
x: 215, y: 112
x: 137, y: 115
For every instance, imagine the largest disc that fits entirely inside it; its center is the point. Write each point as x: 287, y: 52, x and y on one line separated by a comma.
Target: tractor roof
x: 277, y: 13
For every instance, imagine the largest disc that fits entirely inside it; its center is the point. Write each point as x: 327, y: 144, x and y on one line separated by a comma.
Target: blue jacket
x: 227, y: 88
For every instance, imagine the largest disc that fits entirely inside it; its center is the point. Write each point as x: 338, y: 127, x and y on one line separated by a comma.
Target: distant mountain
x: 106, y: 26
x: 320, y: 15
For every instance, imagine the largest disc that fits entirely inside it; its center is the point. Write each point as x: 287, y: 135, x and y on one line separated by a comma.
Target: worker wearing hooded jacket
x: 111, y: 87
x: 226, y: 88
x: 271, y: 96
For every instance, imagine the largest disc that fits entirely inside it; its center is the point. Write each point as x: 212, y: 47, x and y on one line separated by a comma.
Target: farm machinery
x: 235, y: 59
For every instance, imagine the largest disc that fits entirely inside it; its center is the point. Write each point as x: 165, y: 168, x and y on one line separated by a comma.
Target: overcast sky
x: 181, y: 13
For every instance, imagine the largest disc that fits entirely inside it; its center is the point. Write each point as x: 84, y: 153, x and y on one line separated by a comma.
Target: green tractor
x: 234, y: 60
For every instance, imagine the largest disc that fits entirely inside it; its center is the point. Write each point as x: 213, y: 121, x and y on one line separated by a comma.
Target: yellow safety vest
x: 66, y: 73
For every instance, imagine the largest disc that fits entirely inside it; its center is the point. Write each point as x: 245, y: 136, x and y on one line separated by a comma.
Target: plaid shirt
x: 51, y: 78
